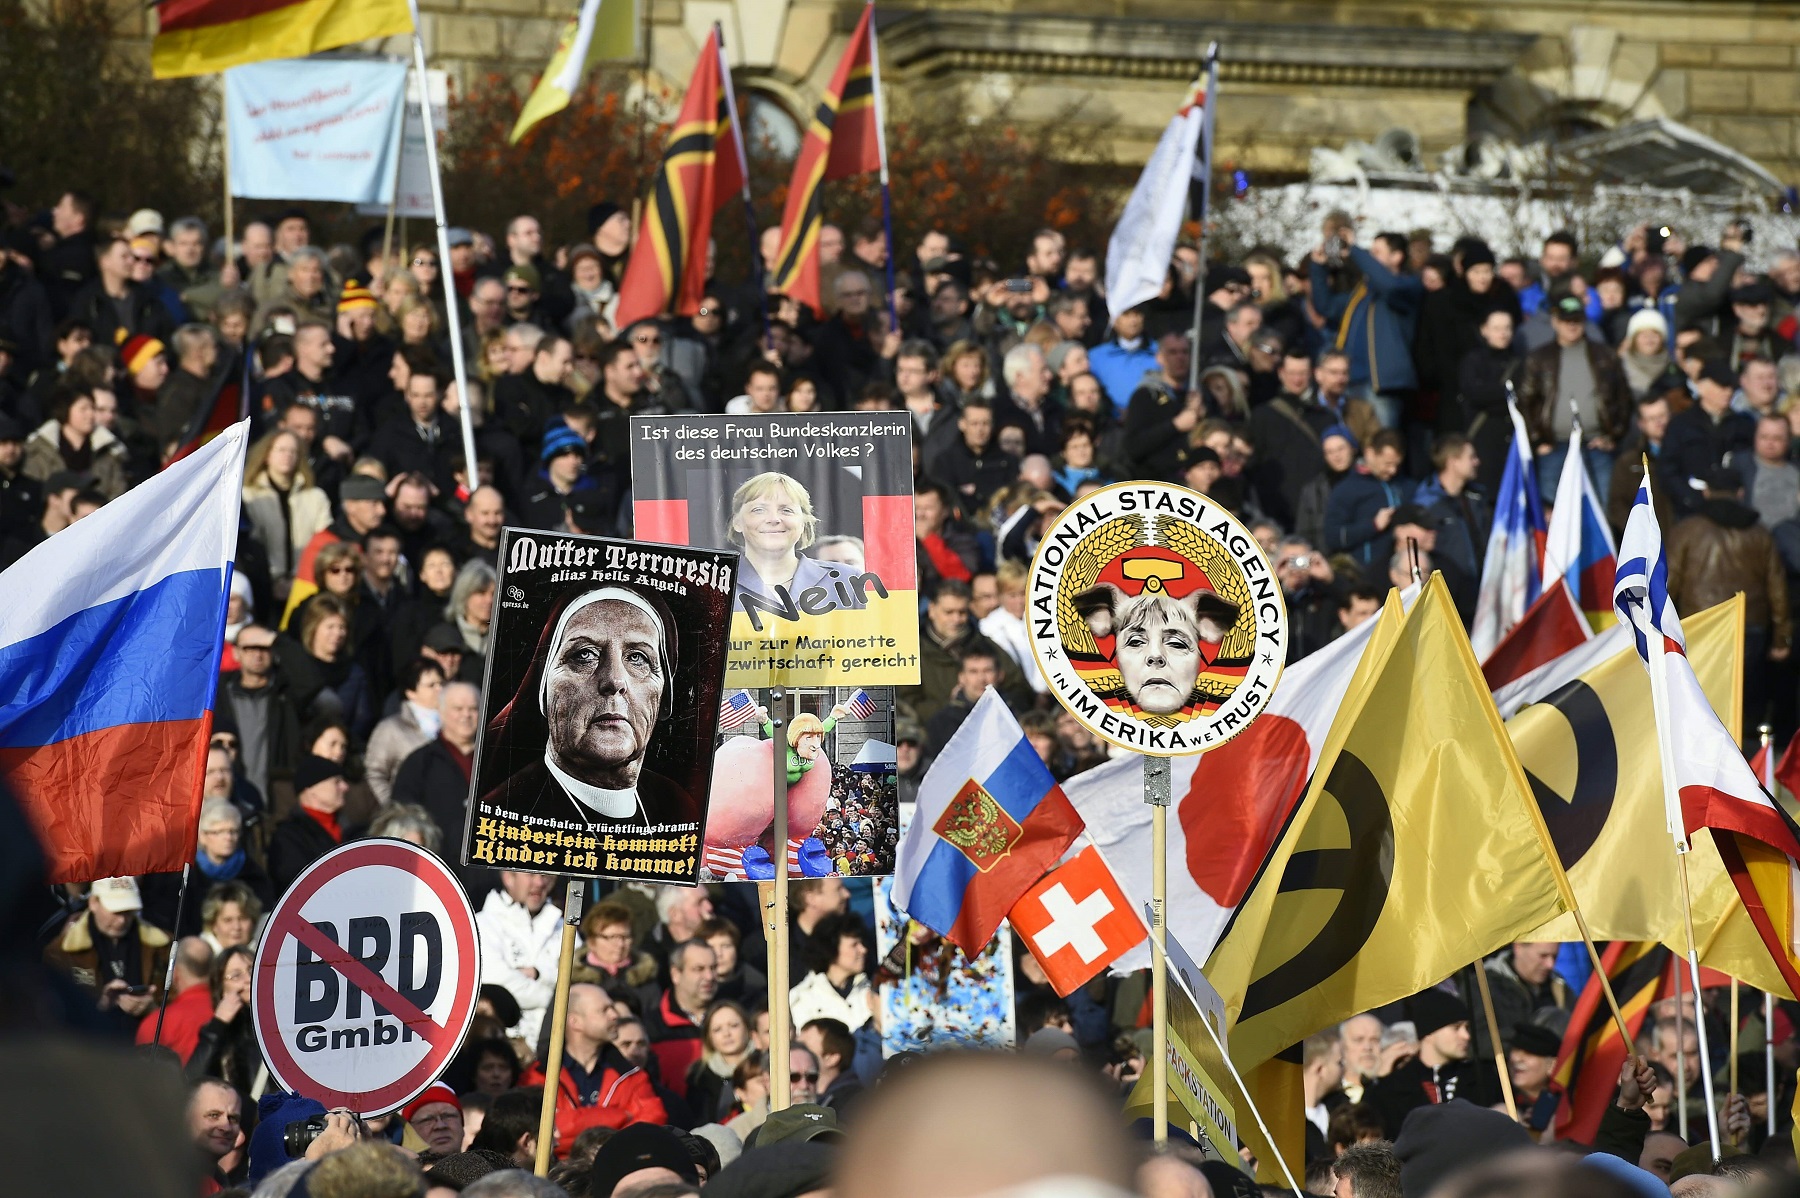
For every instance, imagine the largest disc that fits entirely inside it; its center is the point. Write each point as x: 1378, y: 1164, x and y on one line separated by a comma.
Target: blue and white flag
x: 315, y: 129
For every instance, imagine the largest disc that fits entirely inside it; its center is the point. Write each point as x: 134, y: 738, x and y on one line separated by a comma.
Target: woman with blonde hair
x: 772, y: 521
x: 963, y: 373
x: 285, y: 508
x: 397, y: 286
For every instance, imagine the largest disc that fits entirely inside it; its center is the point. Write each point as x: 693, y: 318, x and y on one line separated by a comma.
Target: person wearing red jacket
x: 597, y: 1087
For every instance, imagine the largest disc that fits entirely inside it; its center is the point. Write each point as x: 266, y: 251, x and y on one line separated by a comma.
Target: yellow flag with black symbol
x: 1589, y: 751
x: 1598, y: 784
x: 1417, y: 849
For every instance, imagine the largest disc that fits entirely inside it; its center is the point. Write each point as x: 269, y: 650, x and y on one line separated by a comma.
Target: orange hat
x: 138, y: 351
x: 355, y: 297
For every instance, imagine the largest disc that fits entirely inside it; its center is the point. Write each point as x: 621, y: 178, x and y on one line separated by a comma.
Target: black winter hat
x: 313, y: 770
x: 639, y: 1146
x: 1436, y: 1141
x: 1433, y: 1009
x: 599, y: 214
x: 1534, y: 1039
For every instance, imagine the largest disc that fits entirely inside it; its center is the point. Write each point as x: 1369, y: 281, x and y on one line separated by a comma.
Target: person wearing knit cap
x: 563, y: 476
x: 145, y: 362
x: 1442, y: 1069
x: 312, y: 830
x: 356, y: 297
x: 268, y: 1143
x: 1438, y: 1140
x: 436, y: 1114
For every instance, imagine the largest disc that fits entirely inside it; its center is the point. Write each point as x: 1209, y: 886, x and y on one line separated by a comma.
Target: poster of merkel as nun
x: 601, y: 702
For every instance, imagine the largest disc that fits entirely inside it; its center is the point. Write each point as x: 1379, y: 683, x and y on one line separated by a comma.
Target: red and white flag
x: 1229, y: 804
x: 1076, y: 921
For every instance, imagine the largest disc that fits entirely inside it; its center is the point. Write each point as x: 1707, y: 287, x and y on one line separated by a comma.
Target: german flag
x: 198, y: 37
x: 844, y: 139
x: 1592, y: 1053
x: 223, y: 408
x: 702, y: 167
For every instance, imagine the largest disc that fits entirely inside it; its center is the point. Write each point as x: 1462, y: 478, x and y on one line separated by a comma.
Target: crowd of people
x: 1351, y: 408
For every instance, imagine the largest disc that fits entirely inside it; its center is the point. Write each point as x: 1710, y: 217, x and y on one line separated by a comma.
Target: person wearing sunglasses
x: 115, y: 305
x: 524, y: 287
x: 663, y: 385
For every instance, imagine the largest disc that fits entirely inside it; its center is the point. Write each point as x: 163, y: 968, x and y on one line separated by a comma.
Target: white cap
x: 117, y: 895
x: 1646, y: 318
x: 144, y: 220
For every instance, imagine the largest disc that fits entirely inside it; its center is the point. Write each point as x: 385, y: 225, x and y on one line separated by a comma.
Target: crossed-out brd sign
x: 366, y: 977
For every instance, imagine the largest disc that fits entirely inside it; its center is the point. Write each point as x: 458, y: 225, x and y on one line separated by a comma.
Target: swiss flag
x: 1077, y: 921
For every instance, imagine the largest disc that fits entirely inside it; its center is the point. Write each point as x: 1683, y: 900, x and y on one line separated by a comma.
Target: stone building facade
x: 1296, y: 73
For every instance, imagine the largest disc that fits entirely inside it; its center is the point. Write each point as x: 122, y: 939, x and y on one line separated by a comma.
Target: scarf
x: 327, y: 820
x: 428, y: 719
x: 464, y: 761
x: 225, y: 870
x: 1643, y: 369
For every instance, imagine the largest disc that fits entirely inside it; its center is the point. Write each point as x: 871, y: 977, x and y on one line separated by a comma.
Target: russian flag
x: 1512, y: 572
x: 110, y: 635
x: 1579, y: 548
x: 990, y: 821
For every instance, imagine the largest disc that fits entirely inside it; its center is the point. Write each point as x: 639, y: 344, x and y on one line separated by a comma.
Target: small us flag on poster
x: 860, y: 706
x: 736, y: 711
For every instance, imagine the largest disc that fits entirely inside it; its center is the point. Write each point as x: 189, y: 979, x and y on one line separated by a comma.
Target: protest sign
x: 821, y: 506
x: 365, y: 981
x: 314, y: 129
x: 412, y: 187
x: 843, y: 814
x: 1156, y: 619
x: 933, y: 995
x: 601, y: 698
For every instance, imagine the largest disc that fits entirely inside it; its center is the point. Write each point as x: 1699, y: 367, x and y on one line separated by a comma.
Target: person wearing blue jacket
x: 1359, y: 516
x: 1121, y: 360
x: 1375, y: 321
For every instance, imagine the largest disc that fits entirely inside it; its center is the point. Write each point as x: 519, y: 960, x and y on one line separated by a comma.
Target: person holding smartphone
x: 108, y: 950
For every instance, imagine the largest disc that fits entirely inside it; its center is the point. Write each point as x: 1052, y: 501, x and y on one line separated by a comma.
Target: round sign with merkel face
x: 1156, y: 619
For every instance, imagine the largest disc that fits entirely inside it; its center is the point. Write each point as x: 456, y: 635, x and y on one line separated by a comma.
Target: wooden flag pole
x: 1493, y: 1026
x: 1157, y: 793
x: 1767, y: 735
x: 1732, y: 1085
x: 559, y: 1015
x: 1681, y: 1084
x: 781, y: 1022
x: 225, y: 121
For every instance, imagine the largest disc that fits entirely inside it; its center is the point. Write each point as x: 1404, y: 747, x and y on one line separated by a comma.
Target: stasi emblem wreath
x: 1156, y: 619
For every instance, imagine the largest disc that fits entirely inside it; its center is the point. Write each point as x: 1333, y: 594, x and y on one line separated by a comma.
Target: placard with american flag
x: 736, y: 711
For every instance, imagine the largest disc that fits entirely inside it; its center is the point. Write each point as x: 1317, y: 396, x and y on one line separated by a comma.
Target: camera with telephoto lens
x: 298, y: 1136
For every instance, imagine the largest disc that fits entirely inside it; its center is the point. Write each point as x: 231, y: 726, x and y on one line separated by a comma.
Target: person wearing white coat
x: 521, y: 944
x: 840, y: 990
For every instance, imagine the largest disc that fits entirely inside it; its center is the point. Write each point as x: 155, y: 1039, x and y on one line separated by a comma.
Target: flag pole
x: 1731, y: 1087
x: 559, y: 1015
x: 737, y: 133
x: 1493, y: 1026
x: 1768, y: 744
x: 1157, y: 950
x: 780, y: 1019
x: 1665, y: 747
x: 1681, y: 1086
x: 1157, y: 794
x: 1206, y: 165
x: 162, y: 1005
x: 446, y: 276
x: 225, y: 115
x: 887, y: 196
